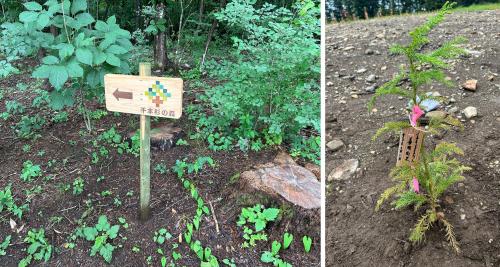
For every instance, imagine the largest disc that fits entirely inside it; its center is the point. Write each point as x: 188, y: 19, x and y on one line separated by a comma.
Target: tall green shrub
x: 270, y: 89
x: 79, y: 48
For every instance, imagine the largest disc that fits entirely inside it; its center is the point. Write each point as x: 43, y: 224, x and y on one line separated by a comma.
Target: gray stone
x: 368, y: 51
x: 436, y: 114
x: 344, y: 171
x: 362, y: 70
x: 371, y: 78
x: 371, y: 88
x: 470, y: 112
x: 334, y: 145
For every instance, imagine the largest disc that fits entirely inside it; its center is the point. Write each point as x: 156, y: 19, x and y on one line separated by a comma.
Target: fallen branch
x: 215, y: 218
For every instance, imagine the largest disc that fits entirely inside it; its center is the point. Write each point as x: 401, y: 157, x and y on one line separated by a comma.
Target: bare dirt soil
x: 356, y: 234
x: 58, y: 211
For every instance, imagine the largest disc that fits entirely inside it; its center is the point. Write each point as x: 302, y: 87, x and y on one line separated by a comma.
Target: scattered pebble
x: 470, y: 112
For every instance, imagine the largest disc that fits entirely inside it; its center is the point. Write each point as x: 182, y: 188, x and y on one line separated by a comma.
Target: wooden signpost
x: 146, y: 96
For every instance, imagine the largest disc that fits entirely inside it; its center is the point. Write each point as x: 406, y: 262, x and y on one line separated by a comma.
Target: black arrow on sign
x: 125, y: 95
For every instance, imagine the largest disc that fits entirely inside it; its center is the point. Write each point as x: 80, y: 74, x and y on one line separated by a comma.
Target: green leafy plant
x: 84, y: 50
x: 229, y: 262
x: 287, y: 240
x: 38, y: 249
x: 423, y: 181
x: 204, y: 254
x: 30, y: 171
x: 28, y: 125
x: 307, y: 242
x: 102, y: 234
x: 60, y: 117
x: 269, y: 95
x: 181, y: 142
x: 273, y: 256
x: 161, y: 235
x: 4, y: 245
x: 14, y: 107
x: 258, y: 216
x: 161, y: 168
x: 78, y: 185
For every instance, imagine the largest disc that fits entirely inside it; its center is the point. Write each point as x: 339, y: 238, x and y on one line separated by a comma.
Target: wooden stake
x: 145, y: 197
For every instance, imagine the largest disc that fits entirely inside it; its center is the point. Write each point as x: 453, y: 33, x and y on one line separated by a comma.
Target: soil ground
x: 356, y: 234
x: 171, y: 206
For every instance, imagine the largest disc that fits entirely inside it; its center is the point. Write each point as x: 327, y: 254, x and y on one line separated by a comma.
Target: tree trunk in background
x: 138, y: 13
x: 160, y: 41
x: 202, y: 8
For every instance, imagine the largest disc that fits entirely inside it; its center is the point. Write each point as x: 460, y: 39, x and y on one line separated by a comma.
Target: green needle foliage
x: 422, y: 67
x: 435, y: 171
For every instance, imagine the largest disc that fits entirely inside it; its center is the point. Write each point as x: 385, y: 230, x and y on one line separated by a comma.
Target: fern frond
x: 436, y: 125
x: 388, y: 193
x: 445, y: 148
x: 433, y: 60
x: 392, y: 126
x: 403, y: 172
x: 389, y: 88
x: 397, y: 49
x: 410, y: 198
x: 450, y: 49
x: 418, y: 233
x: 450, y: 235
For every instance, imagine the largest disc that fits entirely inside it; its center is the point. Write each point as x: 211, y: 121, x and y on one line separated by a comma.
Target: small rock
x: 371, y: 88
x: 335, y: 145
x: 329, y: 84
x: 344, y: 171
x: 462, y: 217
x: 436, y: 114
x: 470, y: 112
x: 371, y: 78
x: 369, y: 52
x: 453, y: 100
x: 362, y: 70
x: 348, y: 48
x: 470, y: 85
x: 453, y: 110
x: 355, y: 96
x: 383, y: 68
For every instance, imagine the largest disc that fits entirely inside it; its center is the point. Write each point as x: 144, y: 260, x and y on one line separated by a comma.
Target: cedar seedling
x: 422, y: 182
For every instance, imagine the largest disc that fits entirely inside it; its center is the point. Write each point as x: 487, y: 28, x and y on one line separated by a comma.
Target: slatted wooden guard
x: 410, y: 142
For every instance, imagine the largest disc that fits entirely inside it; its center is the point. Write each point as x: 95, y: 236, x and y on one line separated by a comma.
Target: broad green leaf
x: 60, y: 99
x: 78, y: 5
x: 84, y: 55
x: 66, y: 4
x: 99, y: 57
x: 58, y: 76
x: 111, y: 20
x: 93, y: 78
x: 43, y: 20
x: 112, y: 60
x: 107, y: 252
x: 116, y: 49
x: 90, y: 233
x: 101, y: 26
x: 260, y: 225
x: 271, y: 214
x: 33, y: 6
x: 84, y: 19
x: 74, y: 70
x: 267, y: 257
x: 102, y: 223
x: 65, y: 50
x: 113, y: 231
x: 28, y: 16
x: 50, y: 60
x: 42, y: 72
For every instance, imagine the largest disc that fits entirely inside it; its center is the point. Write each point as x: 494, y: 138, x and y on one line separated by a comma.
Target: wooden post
x: 145, y: 70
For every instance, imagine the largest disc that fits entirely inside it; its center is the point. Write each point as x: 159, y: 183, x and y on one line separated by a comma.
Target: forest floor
x: 64, y: 151
x: 356, y: 234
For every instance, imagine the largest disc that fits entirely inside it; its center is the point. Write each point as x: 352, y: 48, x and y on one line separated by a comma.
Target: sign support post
x: 145, y: 154
x: 147, y: 96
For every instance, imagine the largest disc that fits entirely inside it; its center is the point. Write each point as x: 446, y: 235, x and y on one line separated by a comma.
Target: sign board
x: 144, y: 95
